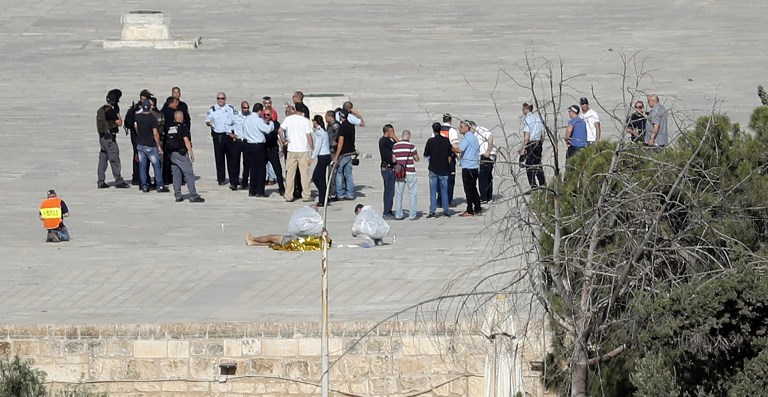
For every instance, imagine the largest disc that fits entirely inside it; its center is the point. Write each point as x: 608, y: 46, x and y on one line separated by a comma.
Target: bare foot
x: 248, y: 239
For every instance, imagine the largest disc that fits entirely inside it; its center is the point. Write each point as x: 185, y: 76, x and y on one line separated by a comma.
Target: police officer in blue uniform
x: 221, y: 118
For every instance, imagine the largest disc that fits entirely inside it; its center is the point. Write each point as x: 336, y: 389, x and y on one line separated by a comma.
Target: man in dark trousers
x: 272, y: 149
x: 220, y: 118
x: 386, y: 142
x: 108, y: 123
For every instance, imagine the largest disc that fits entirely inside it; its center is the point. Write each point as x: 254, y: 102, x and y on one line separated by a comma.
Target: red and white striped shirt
x: 404, y: 153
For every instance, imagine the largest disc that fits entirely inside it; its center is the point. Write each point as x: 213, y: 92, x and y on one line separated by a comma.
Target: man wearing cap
x: 656, y: 133
x: 220, y: 118
x: 149, y: 147
x: 108, y: 123
x: 52, y: 212
x: 576, y: 133
x: 447, y: 131
x: 592, y: 120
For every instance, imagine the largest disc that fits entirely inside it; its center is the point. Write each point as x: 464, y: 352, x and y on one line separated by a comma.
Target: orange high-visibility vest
x: 50, y: 212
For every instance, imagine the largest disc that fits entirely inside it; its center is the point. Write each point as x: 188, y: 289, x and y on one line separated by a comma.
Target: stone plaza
x: 143, y: 259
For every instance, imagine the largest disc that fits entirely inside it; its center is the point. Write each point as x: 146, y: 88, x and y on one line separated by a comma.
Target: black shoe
x: 179, y: 199
x: 233, y: 187
x: 122, y: 185
x: 135, y: 183
x: 102, y: 185
x: 163, y: 189
x: 222, y: 183
x: 333, y: 198
x: 432, y: 215
x: 197, y: 199
x: 145, y: 189
x: 282, y: 192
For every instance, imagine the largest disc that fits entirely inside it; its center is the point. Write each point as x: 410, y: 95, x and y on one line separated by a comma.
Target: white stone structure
x: 320, y: 103
x: 147, y: 29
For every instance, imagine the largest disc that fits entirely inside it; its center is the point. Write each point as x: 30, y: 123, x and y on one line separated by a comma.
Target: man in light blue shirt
x: 469, y: 147
x: 239, y: 142
x: 220, y: 118
x: 254, y: 130
x: 533, y: 128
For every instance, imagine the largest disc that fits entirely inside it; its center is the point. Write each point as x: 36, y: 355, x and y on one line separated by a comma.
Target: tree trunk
x: 579, y: 370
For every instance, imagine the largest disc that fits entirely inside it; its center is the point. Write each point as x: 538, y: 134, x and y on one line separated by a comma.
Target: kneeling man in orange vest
x: 52, y: 213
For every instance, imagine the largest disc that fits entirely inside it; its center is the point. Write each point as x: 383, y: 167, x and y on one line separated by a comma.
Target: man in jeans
x: 439, y: 152
x: 469, y: 147
x: 386, y: 142
x: 406, y: 155
x: 149, y: 148
x: 345, y: 150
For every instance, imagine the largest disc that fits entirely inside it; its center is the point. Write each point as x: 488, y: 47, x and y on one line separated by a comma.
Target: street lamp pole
x: 325, y: 378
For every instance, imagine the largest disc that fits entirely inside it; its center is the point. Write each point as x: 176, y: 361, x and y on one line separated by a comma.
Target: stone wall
x: 272, y: 359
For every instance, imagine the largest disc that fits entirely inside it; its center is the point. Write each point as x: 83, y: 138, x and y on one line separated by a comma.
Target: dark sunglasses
x: 221, y: 97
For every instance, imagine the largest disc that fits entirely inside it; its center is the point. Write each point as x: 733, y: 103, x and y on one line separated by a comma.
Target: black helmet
x: 114, y: 95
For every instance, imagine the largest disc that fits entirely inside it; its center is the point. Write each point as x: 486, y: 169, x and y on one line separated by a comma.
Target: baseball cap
x: 51, y: 192
x: 574, y: 108
x: 583, y: 101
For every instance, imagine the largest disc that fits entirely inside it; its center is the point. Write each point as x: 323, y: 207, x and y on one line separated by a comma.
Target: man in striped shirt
x: 406, y: 155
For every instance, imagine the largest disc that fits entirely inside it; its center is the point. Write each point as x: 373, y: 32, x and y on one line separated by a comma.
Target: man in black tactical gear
x: 108, y: 124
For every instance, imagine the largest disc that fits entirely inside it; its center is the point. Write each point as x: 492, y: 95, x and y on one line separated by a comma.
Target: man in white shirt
x: 296, y: 133
x: 487, y: 160
x: 592, y: 120
x: 447, y: 131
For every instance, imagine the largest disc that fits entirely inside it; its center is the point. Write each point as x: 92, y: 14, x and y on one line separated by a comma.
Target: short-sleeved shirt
x: 174, y: 138
x: 333, y: 135
x: 579, y: 133
x: 405, y: 153
x: 658, y: 117
x: 485, y: 136
x: 439, y: 151
x: 385, y: 151
x: 297, y: 128
x: 347, y: 131
x: 591, y: 119
x: 146, y: 122
x: 470, y: 151
x: 533, y: 125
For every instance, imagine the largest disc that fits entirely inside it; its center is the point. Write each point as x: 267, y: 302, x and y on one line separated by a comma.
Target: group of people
x: 471, y: 147
x: 645, y: 127
x: 247, y: 144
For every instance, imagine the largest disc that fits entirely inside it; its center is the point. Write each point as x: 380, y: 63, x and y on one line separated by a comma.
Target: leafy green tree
x: 705, y: 337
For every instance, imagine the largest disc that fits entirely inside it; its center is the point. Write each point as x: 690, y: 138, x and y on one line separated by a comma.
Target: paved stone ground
x: 144, y: 258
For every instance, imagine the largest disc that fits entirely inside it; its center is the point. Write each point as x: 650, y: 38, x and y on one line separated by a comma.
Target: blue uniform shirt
x: 533, y: 125
x: 255, y: 128
x: 222, y: 118
x: 470, y: 151
x: 579, y: 133
x: 237, y: 124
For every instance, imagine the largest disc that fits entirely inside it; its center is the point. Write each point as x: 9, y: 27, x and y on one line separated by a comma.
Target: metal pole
x: 325, y: 378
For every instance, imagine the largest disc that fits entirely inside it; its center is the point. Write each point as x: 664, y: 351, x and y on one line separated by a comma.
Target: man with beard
x: 108, y: 123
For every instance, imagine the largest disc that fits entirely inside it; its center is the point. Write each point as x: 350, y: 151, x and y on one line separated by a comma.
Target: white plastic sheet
x: 305, y: 221
x: 369, y: 223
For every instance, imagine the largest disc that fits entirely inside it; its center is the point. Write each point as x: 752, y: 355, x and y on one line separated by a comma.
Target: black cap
x: 583, y: 101
x: 114, y: 95
x: 51, y: 192
x: 574, y: 108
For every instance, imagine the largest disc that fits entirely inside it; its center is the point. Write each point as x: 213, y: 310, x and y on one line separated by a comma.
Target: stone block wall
x: 272, y: 359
